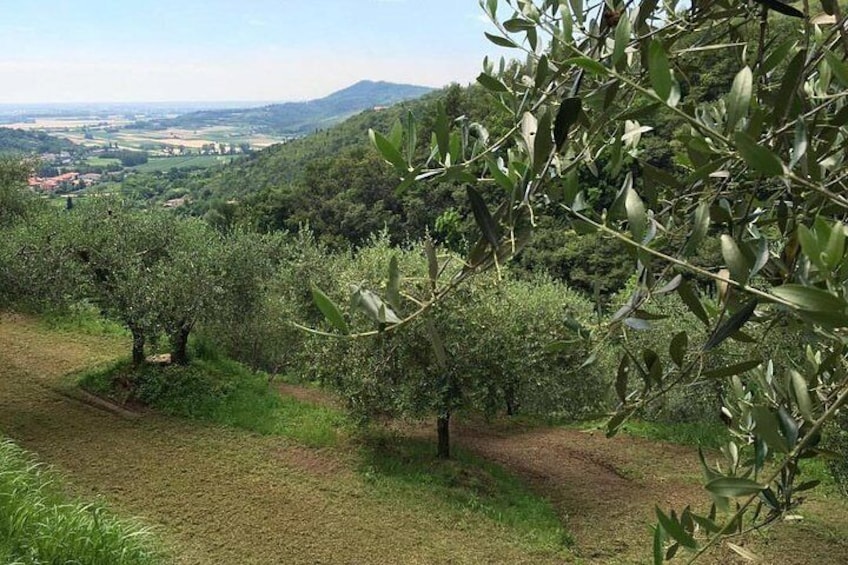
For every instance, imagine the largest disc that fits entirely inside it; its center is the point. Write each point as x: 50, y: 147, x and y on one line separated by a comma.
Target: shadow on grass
x: 399, y: 466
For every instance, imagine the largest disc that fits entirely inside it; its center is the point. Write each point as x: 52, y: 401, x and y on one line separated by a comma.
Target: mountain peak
x: 381, y: 91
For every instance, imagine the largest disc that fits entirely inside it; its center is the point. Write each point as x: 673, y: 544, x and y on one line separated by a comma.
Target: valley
x: 584, y: 303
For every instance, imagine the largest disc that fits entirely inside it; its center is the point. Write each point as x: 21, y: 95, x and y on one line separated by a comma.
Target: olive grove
x: 754, y: 165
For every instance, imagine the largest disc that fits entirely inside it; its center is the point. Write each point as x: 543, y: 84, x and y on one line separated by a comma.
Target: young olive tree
x: 759, y: 164
x: 484, y: 347
x: 189, y: 283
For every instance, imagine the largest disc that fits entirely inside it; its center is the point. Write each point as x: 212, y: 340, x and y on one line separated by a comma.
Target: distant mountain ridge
x: 298, y: 118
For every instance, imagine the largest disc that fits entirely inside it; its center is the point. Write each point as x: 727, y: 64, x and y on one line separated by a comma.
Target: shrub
x: 259, y: 331
x: 700, y: 401
x: 837, y: 441
x: 216, y: 389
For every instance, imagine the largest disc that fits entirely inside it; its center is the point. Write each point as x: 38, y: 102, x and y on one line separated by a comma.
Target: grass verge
x: 407, y: 468
x: 82, y: 318
x: 704, y: 434
x: 713, y: 436
x: 38, y: 525
x: 218, y: 390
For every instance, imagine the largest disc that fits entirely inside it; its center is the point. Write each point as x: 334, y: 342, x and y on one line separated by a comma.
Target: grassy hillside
x: 517, y: 493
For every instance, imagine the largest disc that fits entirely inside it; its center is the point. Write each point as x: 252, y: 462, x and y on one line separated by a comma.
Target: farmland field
x: 188, y: 162
x: 100, y: 131
x: 101, y: 162
x: 150, y: 139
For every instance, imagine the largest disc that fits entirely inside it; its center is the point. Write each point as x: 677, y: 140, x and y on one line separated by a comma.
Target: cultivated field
x: 154, y: 139
x: 188, y: 162
x: 97, y: 132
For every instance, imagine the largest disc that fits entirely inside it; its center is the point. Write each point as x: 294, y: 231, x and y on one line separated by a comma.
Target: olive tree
x: 15, y: 200
x: 121, y: 254
x: 156, y: 273
x: 478, y: 349
x: 758, y: 165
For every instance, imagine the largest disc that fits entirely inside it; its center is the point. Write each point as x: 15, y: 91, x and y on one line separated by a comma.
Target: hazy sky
x: 270, y: 50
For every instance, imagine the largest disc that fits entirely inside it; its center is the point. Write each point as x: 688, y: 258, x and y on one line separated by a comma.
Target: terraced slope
x: 225, y: 496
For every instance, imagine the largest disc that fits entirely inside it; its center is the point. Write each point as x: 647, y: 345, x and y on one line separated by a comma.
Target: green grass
x: 39, y: 525
x: 165, y: 164
x: 221, y: 391
x: 82, y: 318
x: 403, y: 470
x: 705, y: 434
x: 101, y: 162
x: 713, y: 436
x: 407, y: 469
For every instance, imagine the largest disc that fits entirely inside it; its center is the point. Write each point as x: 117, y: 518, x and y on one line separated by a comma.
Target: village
x: 66, y: 182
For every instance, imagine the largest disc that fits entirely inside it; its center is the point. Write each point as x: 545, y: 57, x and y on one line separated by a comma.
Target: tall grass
x: 39, y: 525
x: 82, y: 318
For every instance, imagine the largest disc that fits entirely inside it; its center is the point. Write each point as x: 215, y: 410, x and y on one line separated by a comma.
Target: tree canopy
x: 755, y: 163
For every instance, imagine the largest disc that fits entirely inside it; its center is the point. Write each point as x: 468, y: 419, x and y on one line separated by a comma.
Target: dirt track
x: 218, y: 496
x: 606, y: 502
x: 225, y: 496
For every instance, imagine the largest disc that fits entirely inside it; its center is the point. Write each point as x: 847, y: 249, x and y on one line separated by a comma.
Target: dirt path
x: 219, y: 496
x: 223, y: 496
x: 605, y: 490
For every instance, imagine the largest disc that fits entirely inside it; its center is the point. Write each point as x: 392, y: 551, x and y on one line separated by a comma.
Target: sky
x: 245, y: 50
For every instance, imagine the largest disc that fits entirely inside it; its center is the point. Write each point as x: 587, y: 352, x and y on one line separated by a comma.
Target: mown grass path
x: 219, y: 496
x: 606, y: 491
x: 225, y: 496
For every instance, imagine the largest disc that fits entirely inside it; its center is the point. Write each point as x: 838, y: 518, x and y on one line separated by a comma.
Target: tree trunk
x: 443, y: 428
x: 137, y: 346
x: 511, y: 404
x: 179, y: 346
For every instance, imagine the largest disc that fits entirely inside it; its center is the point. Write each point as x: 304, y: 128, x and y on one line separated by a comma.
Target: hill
x: 336, y: 183
x: 21, y: 141
x: 298, y: 118
x: 282, y: 165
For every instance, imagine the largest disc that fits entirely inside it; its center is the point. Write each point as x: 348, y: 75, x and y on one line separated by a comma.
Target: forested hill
x: 28, y: 142
x: 297, y: 118
x: 282, y: 164
x: 335, y: 182
x: 295, y: 162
